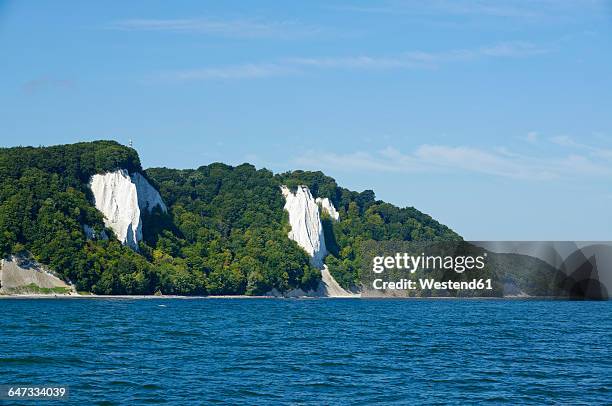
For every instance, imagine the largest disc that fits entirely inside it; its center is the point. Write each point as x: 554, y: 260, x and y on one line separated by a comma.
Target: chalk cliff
x: 19, y: 275
x: 121, y: 197
x: 306, y: 228
x: 148, y: 196
x: 328, y: 207
x: 307, y: 231
x: 329, y: 287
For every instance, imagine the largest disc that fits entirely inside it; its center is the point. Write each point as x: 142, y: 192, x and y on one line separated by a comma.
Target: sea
x: 308, y: 351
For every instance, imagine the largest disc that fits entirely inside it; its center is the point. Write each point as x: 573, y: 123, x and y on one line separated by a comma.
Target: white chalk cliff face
x: 306, y: 228
x: 328, y: 207
x: 121, y: 198
x: 148, y: 196
x: 307, y: 231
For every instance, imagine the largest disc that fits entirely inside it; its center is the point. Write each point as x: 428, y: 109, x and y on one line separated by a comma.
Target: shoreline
x: 129, y: 297
x: 177, y: 297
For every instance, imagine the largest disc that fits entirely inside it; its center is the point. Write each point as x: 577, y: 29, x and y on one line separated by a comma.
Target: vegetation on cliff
x: 362, y: 219
x: 225, y: 231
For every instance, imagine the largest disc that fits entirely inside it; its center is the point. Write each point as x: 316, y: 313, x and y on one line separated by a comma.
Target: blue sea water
x: 256, y: 351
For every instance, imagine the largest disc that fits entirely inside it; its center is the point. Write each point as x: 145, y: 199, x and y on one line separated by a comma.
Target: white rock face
x: 328, y: 207
x: 17, y: 273
x: 306, y: 228
x: 121, y: 198
x: 329, y: 287
x: 307, y: 231
x: 148, y: 196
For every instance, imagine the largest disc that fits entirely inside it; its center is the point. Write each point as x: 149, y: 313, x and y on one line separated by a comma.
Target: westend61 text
x: 431, y: 284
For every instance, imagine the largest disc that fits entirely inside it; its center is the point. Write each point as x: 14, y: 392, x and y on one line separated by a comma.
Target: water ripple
x: 311, y: 351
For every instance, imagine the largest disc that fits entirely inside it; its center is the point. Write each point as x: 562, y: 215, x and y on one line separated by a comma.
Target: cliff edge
x: 122, y: 197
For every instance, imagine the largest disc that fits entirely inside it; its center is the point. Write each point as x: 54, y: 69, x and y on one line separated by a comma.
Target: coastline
x: 129, y: 297
x: 165, y: 297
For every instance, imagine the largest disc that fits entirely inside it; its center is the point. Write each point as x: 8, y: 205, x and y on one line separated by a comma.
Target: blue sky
x: 495, y: 117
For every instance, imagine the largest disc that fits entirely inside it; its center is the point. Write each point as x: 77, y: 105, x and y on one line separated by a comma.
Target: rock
x: 148, y: 196
x: 121, y: 198
x: 307, y: 231
x: 329, y: 287
x: 19, y: 275
x: 328, y: 207
x: 306, y: 228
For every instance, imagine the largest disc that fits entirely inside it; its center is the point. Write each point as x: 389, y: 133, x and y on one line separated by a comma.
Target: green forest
x: 362, y: 219
x: 225, y: 231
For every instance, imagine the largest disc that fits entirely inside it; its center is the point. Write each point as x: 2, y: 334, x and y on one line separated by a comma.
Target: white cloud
x: 533, y: 10
x: 406, y: 60
x: 565, y: 141
x: 420, y: 59
x: 453, y: 159
x: 245, y: 71
x: 362, y: 62
x: 487, y: 8
x: 594, y: 151
x: 514, y: 49
x: 230, y: 28
x: 437, y: 7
